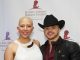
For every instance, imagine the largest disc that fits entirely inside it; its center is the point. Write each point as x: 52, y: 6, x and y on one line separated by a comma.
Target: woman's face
x: 25, y: 27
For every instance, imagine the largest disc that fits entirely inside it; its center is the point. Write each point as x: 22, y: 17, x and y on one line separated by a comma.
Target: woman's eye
x: 21, y: 26
x: 29, y: 26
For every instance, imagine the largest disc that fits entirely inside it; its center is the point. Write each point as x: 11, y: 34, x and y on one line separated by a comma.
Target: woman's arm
x: 9, y: 52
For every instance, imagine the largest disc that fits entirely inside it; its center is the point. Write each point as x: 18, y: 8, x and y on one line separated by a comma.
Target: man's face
x: 51, y: 32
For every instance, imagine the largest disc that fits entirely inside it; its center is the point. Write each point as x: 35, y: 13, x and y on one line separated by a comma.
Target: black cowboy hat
x: 51, y: 20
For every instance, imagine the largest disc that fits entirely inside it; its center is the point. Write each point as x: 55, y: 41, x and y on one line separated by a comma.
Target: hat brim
x: 42, y: 26
x: 61, y: 24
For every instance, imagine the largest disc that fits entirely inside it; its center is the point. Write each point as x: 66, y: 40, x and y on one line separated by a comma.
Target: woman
x: 23, y: 48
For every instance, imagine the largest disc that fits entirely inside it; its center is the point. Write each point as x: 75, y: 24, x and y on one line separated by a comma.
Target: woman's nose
x: 25, y: 28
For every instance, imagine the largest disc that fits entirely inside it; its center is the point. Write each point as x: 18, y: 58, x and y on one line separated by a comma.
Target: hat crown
x: 50, y: 20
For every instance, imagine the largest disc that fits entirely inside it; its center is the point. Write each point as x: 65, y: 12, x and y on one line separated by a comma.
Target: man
x: 56, y: 48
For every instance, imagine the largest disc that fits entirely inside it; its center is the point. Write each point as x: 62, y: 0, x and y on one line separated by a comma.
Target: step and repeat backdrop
x: 12, y: 10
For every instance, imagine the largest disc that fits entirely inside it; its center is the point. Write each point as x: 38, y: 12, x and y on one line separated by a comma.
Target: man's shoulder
x: 71, y: 45
x: 67, y: 42
x: 42, y: 46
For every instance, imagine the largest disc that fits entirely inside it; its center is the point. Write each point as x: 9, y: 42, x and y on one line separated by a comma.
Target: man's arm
x: 75, y: 51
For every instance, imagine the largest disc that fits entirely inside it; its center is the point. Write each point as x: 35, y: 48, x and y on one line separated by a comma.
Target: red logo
x: 66, y: 33
x: 35, y: 5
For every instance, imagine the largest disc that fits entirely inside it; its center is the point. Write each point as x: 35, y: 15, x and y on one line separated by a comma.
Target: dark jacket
x: 64, y: 50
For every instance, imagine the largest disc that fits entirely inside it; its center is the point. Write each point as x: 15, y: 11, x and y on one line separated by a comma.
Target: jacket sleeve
x: 74, y: 50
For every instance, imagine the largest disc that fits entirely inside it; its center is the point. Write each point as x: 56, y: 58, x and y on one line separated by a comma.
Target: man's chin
x: 50, y: 38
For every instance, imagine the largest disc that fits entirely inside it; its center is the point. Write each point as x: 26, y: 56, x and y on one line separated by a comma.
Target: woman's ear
x: 33, y: 27
x: 17, y: 28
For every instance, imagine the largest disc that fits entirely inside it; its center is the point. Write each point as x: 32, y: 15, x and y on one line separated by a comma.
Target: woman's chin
x: 25, y: 36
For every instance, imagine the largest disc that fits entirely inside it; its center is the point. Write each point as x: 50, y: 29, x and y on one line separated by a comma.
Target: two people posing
x: 55, y: 48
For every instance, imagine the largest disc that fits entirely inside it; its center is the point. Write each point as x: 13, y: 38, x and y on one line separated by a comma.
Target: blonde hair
x: 25, y: 17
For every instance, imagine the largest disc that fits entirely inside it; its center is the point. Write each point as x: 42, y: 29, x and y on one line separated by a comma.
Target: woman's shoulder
x: 12, y: 46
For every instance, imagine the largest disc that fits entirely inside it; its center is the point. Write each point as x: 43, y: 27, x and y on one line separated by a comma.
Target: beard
x: 53, y: 37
